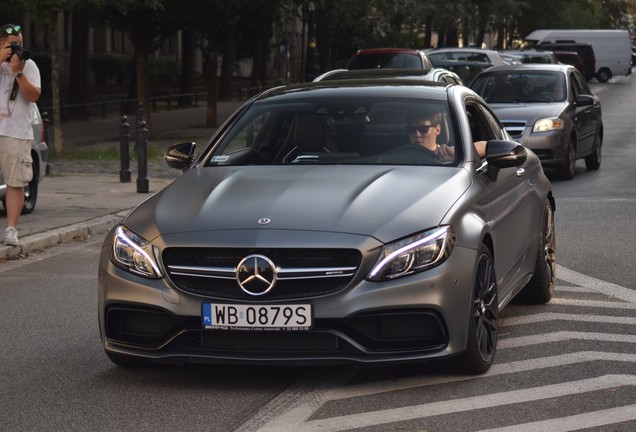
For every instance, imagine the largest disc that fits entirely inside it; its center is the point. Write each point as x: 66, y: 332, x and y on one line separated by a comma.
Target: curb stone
x: 66, y: 234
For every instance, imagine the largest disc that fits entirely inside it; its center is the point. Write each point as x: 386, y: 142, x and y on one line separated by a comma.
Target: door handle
x: 521, y: 172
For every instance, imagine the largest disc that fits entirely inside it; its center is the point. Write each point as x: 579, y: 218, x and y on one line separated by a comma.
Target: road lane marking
x: 561, y: 336
x: 617, y: 291
x: 575, y: 422
x: 395, y: 415
x: 550, y: 316
x: 593, y: 304
x: 290, y: 410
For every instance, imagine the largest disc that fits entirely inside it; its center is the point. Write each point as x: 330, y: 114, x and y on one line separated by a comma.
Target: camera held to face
x: 23, y: 53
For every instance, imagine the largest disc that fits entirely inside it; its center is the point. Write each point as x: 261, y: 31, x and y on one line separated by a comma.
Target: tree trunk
x: 187, y: 68
x: 228, y: 52
x: 78, y: 75
x: 58, y: 140
x: 211, y: 112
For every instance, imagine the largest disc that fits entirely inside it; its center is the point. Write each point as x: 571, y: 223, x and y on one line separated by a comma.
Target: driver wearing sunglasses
x: 423, y: 130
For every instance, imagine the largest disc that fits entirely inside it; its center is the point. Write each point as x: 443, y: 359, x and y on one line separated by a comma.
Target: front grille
x: 514, y: 128
x: 303, y: 273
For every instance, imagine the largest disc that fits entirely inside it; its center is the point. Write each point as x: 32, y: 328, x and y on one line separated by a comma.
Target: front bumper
x: 422, y: 316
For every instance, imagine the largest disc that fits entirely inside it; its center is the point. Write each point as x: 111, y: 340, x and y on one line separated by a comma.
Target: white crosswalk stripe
x: 294, y: 410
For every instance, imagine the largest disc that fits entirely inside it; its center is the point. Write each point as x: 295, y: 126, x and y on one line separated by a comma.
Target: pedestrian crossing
x: 550, y: 374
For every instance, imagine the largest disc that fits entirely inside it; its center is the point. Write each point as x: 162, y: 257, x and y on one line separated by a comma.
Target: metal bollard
x: 143, y: 185
x: 124, y: 150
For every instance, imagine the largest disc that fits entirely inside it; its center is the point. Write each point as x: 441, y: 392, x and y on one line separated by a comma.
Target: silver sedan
x: 313, y: 229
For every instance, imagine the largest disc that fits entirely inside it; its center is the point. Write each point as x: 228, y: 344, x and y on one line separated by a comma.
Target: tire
x: 31, y: 192
x: 540, y: 288
x: 483, y: 323
x: 566, y: 170
x: 127, y: 361
x: 603, y: 75
x: 593, y: 161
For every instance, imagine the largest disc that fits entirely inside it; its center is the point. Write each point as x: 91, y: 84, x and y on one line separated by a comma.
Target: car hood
x: 527, y: 111
x: 379, y: 201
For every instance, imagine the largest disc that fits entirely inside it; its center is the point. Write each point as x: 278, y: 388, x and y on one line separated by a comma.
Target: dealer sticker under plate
x: 223, y: 316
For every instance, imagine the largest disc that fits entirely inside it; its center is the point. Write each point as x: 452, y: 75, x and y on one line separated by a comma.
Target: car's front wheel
x: 541, y: 287
x: 593, y: 161
x: 483, y: 324
x: 565, y: 171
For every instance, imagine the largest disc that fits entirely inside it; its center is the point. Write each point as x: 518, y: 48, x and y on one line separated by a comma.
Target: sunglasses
x: 420, y: 128
x: 12, y: 30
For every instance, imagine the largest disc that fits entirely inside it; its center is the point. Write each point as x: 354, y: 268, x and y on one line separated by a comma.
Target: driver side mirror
x: 180, y: 156
x: 584, y: 100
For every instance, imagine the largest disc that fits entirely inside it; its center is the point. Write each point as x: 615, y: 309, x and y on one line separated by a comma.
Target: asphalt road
x: 595, y: 210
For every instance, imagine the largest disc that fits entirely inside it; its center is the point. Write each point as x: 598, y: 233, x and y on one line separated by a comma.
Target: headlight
x: 135, y: 254
x: 548, y: 124
x: 414, y: 254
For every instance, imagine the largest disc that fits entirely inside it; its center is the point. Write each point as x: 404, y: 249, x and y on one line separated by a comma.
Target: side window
x: 483, y: 125
x: 584, y: 88
x: 575, y: 87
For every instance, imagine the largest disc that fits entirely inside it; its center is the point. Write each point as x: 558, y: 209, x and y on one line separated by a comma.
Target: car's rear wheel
x: 127, y: 361
x: 31, y: 192
x: 483, y: 325
x: 541, y: 287
x: 593, y: 161
x: 566, y: 170
x: 604, y: 75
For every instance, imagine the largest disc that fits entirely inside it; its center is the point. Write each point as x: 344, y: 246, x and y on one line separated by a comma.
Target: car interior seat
x: 308, y: 135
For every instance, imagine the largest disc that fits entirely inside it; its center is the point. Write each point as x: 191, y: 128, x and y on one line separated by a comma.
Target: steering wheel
x: 409, y: 154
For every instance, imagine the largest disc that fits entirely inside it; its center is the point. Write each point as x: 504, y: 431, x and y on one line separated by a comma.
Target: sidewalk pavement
x: 75, y: 206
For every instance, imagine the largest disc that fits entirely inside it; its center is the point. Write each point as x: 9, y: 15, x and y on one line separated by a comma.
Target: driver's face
x: 423, y: 132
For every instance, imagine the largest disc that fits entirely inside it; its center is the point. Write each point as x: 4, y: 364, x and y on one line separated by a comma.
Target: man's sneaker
x: 11, y: 236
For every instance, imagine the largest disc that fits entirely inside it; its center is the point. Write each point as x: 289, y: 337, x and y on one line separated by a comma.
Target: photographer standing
x: 19, y: 88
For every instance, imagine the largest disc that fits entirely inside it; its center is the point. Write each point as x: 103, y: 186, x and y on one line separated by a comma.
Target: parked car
x: 466, y: 70
x: 40, y: 156
x: 528, y: 56
x: 401, y: 58
x: 584, y: 50
x: 549, y: 109
x: 571, y: 58
x: 435, y: 74
x: 466, y: 55
x: 306, y: 231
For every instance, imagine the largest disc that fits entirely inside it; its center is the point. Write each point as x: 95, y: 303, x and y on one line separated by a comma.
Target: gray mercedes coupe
x: 312, y: 229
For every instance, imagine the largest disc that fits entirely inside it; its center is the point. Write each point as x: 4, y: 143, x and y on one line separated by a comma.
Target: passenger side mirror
x: 180, y: 156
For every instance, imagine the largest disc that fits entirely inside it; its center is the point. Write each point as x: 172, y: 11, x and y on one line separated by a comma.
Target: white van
x: 612, y: 48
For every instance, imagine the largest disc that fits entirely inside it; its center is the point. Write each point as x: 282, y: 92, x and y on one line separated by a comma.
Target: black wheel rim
x: 485, y: 308
x: 571, y: 159
x: 550, y: 244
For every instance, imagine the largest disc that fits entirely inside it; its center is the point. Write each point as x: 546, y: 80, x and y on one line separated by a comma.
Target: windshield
x: 521, y: 86
x: 339, y: 131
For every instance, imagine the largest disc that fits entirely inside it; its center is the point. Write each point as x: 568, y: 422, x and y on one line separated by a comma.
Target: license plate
x: 223, y: 316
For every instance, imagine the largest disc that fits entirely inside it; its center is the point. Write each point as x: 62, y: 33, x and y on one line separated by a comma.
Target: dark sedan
x: 315, y: 228
x: 549, y: 109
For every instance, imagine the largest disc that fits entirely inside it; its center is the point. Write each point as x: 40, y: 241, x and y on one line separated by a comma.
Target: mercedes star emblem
x: 256, y: 274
